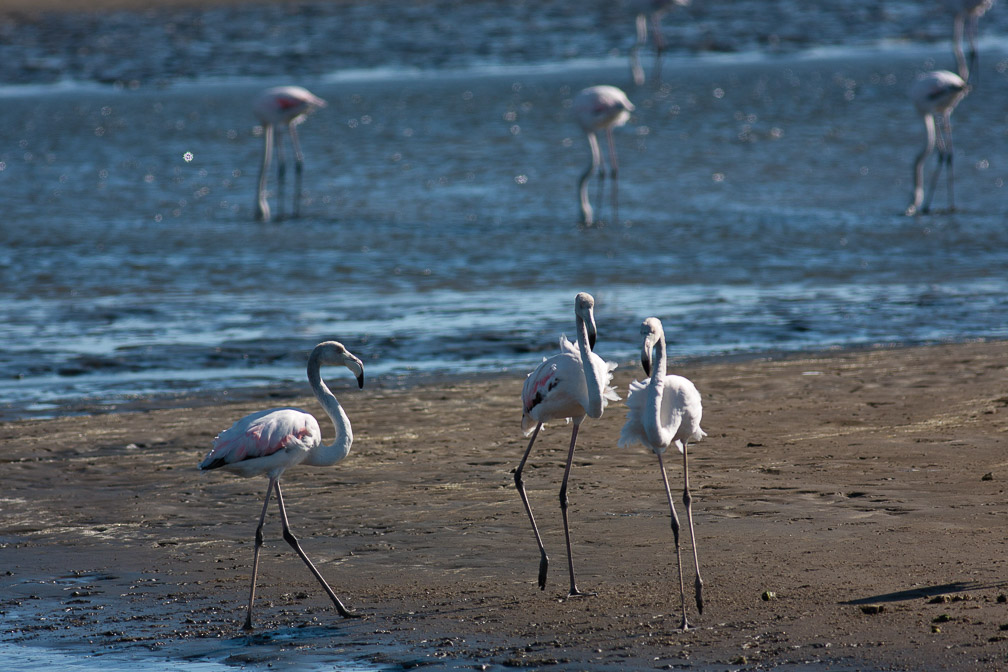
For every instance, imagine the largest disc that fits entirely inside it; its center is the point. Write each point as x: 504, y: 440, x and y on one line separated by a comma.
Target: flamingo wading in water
x: 567, y: 386
x: 600, y: 108
x: 278, y: 108
x: 662, y: 412
x: 935, y: 94
x: 650, y: 11
x: 268, y: 442
x: 967, y: 15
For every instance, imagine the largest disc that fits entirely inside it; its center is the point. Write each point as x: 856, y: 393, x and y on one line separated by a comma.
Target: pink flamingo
x: 268, y: 442
x: 666, y: 411
x: 935, y: 94
x: 967, y: 15
x: 600, y: 108
x: 567, y: 386
x: 650, y: 11
x: 276, y: 108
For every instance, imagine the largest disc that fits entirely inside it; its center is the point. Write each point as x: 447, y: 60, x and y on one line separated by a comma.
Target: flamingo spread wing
x: 262, y: 434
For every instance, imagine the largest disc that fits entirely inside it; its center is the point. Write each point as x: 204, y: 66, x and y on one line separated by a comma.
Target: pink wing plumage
x: 263, y: 434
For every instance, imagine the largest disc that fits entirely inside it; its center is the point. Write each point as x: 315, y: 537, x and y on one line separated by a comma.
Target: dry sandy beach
x: 864, y: 493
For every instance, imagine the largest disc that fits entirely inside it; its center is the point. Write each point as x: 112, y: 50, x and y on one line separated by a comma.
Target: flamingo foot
x: 684, y: 626
x: 576, y: 592
x: 543, y: 567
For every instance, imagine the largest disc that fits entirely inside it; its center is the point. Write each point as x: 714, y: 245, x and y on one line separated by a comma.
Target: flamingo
x: 665, y: 411
x: 268, y: 442
x: 650, y: 11
x: 570, y: 385
x: 935, y: 94
x: 276, y: 108
x: 967, y: 15
x: 599, y: 108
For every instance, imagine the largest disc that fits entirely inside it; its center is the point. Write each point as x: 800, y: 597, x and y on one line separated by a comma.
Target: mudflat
x: 849, y: 507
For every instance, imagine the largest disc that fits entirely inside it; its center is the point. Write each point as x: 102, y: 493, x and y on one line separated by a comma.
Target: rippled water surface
x: 762, y: 186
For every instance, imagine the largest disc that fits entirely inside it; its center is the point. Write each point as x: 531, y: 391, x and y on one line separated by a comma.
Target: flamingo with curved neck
x: 571, y: 385
x: 662, y: 412
x: 271, y: 441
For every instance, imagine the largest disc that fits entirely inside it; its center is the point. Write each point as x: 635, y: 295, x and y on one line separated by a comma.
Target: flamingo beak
x: 592, y: 332
x: 357, y: 368
x: 645, y: 359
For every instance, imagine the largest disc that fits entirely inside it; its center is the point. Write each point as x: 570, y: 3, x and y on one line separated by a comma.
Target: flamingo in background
x: 935, y: 94
x: 666, y: 411
x: 268, y: 442
x: 600, y: 108
x: 967, y: 15
x: 276, y: 108
x: 568, y: 386
x: 650, y: 11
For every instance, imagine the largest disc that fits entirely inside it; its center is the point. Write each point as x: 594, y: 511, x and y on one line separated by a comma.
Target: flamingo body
x: 600, y: 108
x: 278, y: 108
x: 271, y: 441
x: 557, y: 388
x: 935, y: 95
x: 663, y: 411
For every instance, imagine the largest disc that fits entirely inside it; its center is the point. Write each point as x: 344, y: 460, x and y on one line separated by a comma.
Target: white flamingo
x: 935, y: 94
x: 268, y: 442
x: 278, y: 108
x: 600, y: 108
x: 967, y: 15
x: 650, y: 11
x: 568, y: 386
x: 662, y: 412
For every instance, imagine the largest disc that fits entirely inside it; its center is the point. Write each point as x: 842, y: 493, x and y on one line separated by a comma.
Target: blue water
x: 762, y: 186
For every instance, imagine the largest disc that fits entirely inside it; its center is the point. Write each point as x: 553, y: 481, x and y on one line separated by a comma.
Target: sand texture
x: 862, y: 493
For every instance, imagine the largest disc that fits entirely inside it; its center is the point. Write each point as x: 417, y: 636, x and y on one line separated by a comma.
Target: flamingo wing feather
x: 262, y: 434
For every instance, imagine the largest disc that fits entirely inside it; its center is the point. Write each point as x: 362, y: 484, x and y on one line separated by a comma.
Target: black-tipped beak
x: 645, y: 361
x: 360, y: 380
x: 592, y: 333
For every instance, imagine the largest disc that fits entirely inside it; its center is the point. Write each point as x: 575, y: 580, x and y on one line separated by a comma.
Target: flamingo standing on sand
x: 600, y: 108
x: 567, y: 386
x: 278, y: 108
x: 666, y: 411
x: 650, y: 11
x: 967, y: 15
x: 935, y: 94
x: 268, y: 442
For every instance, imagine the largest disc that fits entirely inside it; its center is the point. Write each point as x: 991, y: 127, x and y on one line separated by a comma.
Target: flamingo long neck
x: 340, y: 447
x: 595, y: 407
x: 653, y: 425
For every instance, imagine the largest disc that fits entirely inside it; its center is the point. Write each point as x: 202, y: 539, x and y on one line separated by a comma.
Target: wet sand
x: 862, y: 493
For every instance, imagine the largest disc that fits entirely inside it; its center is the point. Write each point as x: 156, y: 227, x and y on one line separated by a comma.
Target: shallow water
x: 762, y: 186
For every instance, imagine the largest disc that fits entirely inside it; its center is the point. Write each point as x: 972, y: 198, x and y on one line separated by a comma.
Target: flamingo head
x: 334, y: 352
x: 584, y: 310
x: 653, y: 333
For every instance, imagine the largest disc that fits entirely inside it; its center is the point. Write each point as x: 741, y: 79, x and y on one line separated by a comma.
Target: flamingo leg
x: 918, y: 195
x: 255, y: 555
x: 675, y: 534
x: 292, y: 540
x: 574, y: 592
x: 945, y: 142
x: 614, y: 172
x: 520, y: 484
x: 943, y: 159
x: 688, y: 502
x: 635, y: 66
x: 262, y: 204
x: 659, y: 42
x: 298, y: 168
x: 281, y: 174
x: 587, y: 217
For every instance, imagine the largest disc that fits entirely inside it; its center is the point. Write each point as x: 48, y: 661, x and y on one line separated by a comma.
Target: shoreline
x: 864, y: 490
